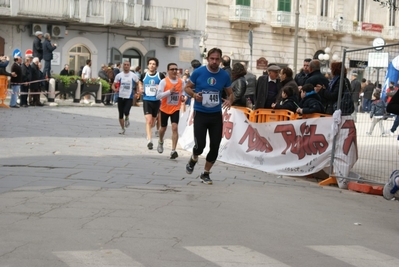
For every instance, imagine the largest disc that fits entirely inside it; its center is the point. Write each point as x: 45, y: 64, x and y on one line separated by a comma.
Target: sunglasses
x: 174, y: 69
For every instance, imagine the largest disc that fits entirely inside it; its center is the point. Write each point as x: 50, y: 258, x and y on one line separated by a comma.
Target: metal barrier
x: 377, y: 148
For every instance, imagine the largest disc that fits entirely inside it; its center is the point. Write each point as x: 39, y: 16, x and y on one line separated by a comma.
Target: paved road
x: 73, y: 192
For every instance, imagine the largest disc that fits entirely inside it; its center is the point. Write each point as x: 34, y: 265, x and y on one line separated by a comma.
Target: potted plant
x: 105, y: 86
x: 66, y: 84
x: 175, y: 22
x: 91, y: 87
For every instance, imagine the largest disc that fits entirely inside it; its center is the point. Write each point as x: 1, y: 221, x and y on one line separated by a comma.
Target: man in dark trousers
x: 268, y: 87
x: 37, y: 46
x: 48, y: 49
x: 356, y: 88
x: 26, y: 77
x: 15, y: 81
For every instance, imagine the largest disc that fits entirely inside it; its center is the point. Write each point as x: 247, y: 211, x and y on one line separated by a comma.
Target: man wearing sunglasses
x: 170, y: 93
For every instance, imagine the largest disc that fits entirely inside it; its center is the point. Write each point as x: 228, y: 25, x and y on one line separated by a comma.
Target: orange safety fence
x: 247, y: 111
x: 3, y: 90
x: 272, y: 115
x: 314, y: 115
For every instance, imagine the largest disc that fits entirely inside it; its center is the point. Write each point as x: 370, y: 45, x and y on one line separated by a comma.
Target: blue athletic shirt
x: 150, y: 86
x: 211, y: 85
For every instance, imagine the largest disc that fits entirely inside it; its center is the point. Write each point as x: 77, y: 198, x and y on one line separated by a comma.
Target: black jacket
x: 239, y: 87
x: 300, y: 78
x: 17, y: 69
x: 48, y: 49
x: 393, y: 106
x: 262, y: 91
x: 37, y: 48
x: 356, y: 87
x: 291, y: 83
x: 329, y: 96
x: 289, y: 103
x: 368, y: 91
x: 64, y: 72
x: 311, y: 103
x: 35, y: 75
x: 315, y: 78
x: 26, y: 74
x: 251, y: 84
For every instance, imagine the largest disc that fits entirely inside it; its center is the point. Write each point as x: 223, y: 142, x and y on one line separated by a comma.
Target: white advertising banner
x: 294, y: 148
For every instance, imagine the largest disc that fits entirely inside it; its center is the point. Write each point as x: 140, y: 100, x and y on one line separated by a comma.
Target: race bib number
x: 174, y: 99
x: 210, y: 99
x: 150, y: 90
x: 125, y: 90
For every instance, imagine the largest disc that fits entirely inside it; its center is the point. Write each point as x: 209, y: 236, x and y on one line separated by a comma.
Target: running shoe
x: 190, y: 166
x: 160, y: 147
x: 122, y: 132
x: 127, y: 123
x: 205, y: 178
x: 391, y: 188
x: 150, y: 145
x: 157, y: 133
x: 173, y: 155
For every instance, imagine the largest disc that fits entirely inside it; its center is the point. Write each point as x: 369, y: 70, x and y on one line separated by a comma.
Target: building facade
x: 336, y: 24
x: 105, y: 31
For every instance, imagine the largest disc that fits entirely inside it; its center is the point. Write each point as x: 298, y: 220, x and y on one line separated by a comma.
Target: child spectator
x: 311, y: 101
x: 288, y: 100
x: 377, y: 113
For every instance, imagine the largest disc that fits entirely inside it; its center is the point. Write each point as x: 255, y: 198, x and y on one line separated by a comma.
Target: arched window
x: 133, y: 56
x: 77, y: 58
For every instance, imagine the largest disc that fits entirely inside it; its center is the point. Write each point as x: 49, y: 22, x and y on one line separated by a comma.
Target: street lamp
x: 325, y: 60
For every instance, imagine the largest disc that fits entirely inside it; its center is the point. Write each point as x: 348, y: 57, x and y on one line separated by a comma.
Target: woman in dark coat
x: 239, y: 84
x: 330, y: 95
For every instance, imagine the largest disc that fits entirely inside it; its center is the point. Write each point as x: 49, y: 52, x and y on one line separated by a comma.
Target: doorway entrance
x: 77, y: 58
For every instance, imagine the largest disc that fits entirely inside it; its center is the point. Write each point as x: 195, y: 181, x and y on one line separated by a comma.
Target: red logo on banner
x: 308, y: 143
x: 227, y: 126
x: 255, y: 141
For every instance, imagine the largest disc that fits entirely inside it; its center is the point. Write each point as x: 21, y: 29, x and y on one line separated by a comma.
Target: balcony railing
x: 103, y: 12
x: 5, y: 3
x: 246, y: 14
x: 286, y: 19
x: 391, y: 33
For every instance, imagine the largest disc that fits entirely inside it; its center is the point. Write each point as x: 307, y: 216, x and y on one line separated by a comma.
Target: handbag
x: 347, y: 106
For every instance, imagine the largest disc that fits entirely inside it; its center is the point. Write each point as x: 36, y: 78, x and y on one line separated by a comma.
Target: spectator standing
x: 367, y: 95
x: 35, y: 85
x: 301, y: 77
x: 239, y: 85
x: 37, y: 50
x: 356, y: 89
x: 86, y: 74
x: 26, y: 78
x: 329, y: 94
x: 65, y: 70
x: 48, y: 49
x: 15, y: 81
x: 268, y: 87
x: 250, y: 78
x: 377, y: 114
x: 315, y: 77
x: 286, y: 78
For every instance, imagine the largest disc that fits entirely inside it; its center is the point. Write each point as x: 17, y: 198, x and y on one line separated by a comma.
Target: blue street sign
x: 16, y: 52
